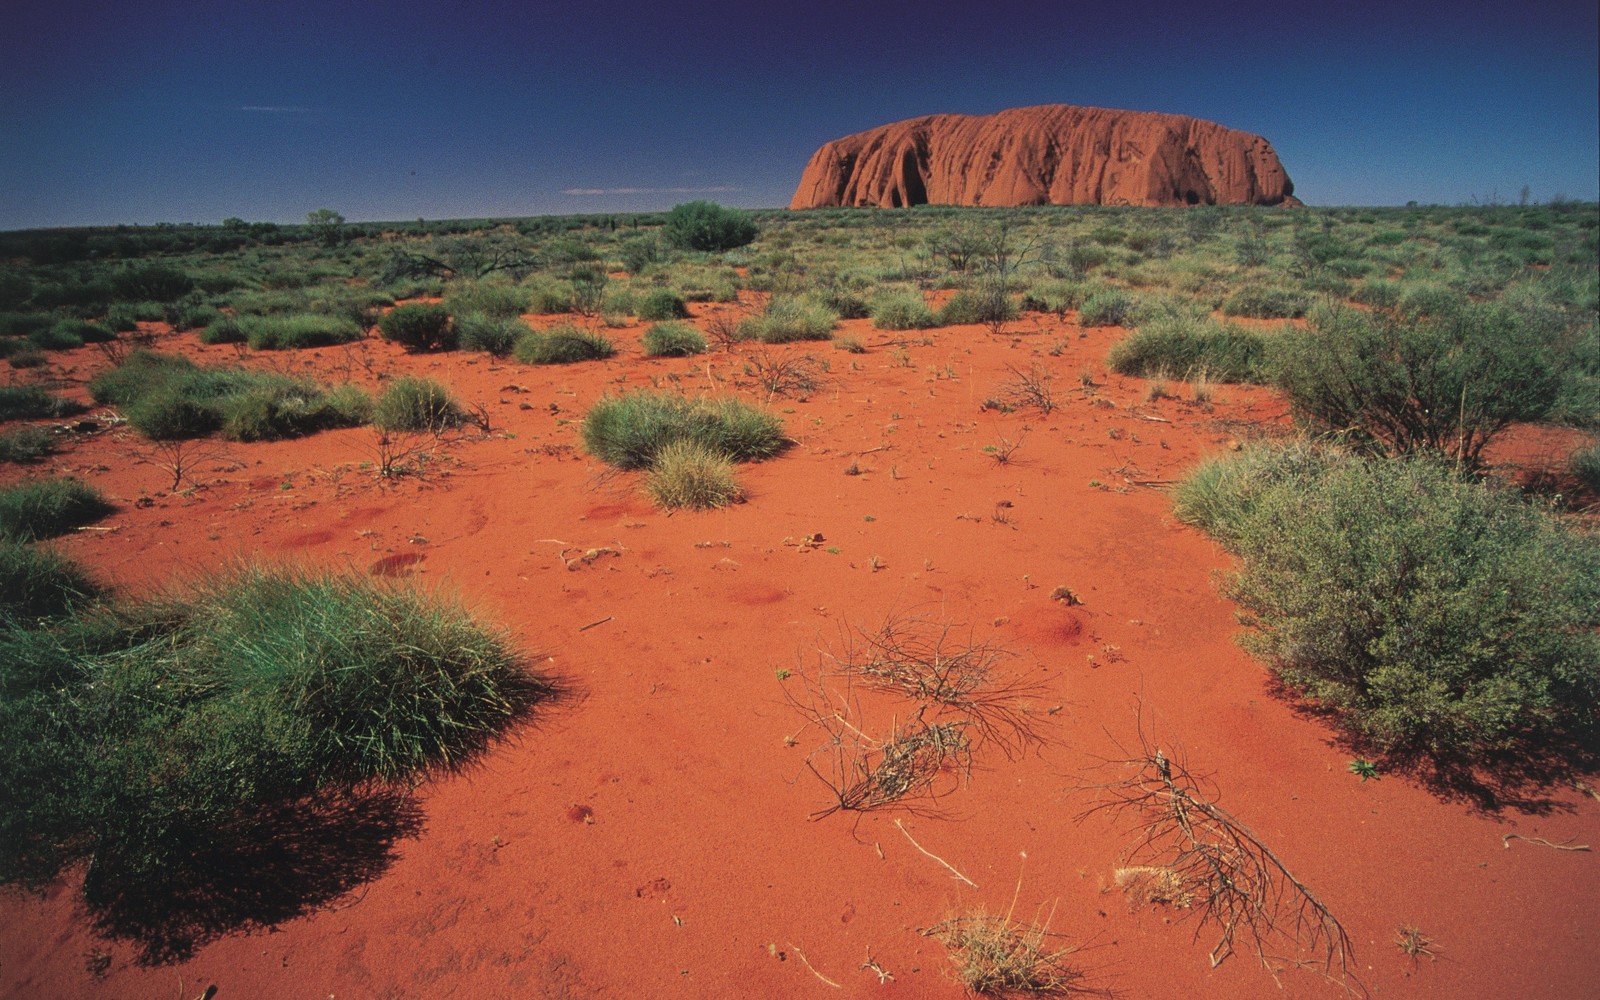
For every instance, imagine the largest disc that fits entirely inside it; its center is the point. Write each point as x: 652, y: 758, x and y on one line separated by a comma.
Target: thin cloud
x: 590, y: 192
x: 276, y: 109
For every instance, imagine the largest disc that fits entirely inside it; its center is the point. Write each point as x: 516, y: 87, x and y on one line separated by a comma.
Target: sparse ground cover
x: 1009, y: 473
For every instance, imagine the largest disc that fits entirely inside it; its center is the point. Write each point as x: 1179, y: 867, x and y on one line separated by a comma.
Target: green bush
x: 901, y: 309
x: 38, y: 583
x: 628, y: 431
x: 227, y: 330
x: 562, y: 345
x: 416, y: 404
x: 1430, y: 613
x: 482, y: 298
x: 1265, y: 302
x: 1182, y: 345
x: 494, y: 335
x: 297, y: 330
x: 151, y: 283
x: 278, y: 407
x: 62, y: 336
x: 26, y: 444
x: 548, y: 296
x: 28, y: 402
x: 788, y: 318
x: 45, y: 508
x: 419, y: 326
x: 1585, y: 465
x: 21, y: 324
x: 661, y: 304
x: 1445, y: 385
x: 1107, y: 307
x: 704, y: 225
x: 673, y: 340
x: 688, y: 475
x: 27, y: 357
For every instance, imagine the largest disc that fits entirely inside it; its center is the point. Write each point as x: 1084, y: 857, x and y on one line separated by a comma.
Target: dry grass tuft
x: 997, y: 956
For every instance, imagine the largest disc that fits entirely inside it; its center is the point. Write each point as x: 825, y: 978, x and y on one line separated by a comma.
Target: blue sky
x: 173, y: 111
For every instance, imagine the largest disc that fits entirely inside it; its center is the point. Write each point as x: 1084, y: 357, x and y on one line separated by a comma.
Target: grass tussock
x: 630, y: 431
x: 45, y: 508
x: 673, y: 340
x: 562, y: 345
x: 999, y: 956
x: 416, y: 404
x: 687, y: 475
x: 1183, y: 343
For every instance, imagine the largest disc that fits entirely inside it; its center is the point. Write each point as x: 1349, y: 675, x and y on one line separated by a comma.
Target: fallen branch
x: 585, y: 628
x: 813, y: 968
x: 1565, y: 845
x: 942, y: 861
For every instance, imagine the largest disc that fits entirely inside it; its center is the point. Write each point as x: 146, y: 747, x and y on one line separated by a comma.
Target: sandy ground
x: 650, y: 835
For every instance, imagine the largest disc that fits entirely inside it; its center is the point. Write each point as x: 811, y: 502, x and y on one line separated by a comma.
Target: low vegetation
x: 45, y: 508
x: 562, y: 345
x: 416, y: 404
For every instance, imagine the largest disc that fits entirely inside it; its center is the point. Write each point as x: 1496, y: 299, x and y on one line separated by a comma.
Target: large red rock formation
x: 1054, y: 154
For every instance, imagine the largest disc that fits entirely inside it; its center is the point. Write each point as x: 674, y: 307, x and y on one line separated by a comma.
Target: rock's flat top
x: 1053, y: 154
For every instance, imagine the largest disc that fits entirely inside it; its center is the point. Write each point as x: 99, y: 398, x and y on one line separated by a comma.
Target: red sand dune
x: 1053, y: 154
x: 650, y: 838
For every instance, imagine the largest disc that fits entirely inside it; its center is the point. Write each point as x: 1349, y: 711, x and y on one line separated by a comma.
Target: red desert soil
x: 650, y: 838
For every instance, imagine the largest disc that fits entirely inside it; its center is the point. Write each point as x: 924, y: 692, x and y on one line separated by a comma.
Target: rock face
x: 1054, y: 154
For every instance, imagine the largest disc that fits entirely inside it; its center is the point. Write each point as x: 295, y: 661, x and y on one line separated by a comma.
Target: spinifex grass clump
x: 689, y: 446
x: 497, y: 335
x: 673, y: 340
x: 26, y: 444
x: 789, y: 318
x: 628, y: 431
x: 167, y: 397
x: 19, y: 402
x: 297, y: 330
x: 1433, y: 614
x: 562, y: 345
x: 1184, y: 343
x: 416, y: 404
x: 45, y: 508
x: 137, y: 735
x: 37, y: 583
x: 419, y: 326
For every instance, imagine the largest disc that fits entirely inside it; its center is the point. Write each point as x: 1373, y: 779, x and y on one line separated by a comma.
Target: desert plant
x: 1585, y: 465
x: 1265, y: 302
x: 989, y: 304
x: 562, y: 345
x: 418, y: 326
x: 1392, y: 386
x: 26, y: 444
x: 151, y: 283
x: 789, y: 318
x: 1000, y: 956
x: 704, y: 225
x: 21, y: 402
x: 45, y: 508
x: 1432, y: 615
x: 1107, y: 307
x: 781, y: 374
x: 495, y: 335
x: 687, y: 474
x: 227, y: 330
x: 416, y: 404
x: 661, y: 304
x: 901, y: 309
x: 1030, y: 386
x: 1177, y: 343
x: 299, y: 330
x: 628, y: 431
x: 673, y: 340
x: 39, y: 583
x: 494, y: 300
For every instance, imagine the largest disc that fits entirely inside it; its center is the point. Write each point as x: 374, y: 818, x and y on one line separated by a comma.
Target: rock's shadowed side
x: 1054, y: 154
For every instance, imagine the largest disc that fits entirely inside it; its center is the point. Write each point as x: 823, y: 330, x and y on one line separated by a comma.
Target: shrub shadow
x: 280, y: 862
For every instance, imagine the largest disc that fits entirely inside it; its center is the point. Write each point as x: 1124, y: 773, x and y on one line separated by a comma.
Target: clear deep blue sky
x: 173, y: 111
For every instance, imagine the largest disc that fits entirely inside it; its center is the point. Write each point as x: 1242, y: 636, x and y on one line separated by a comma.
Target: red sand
x: 650, y: 837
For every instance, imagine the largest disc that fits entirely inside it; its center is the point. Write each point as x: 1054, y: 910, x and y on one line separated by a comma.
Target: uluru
x: 1053, y: 154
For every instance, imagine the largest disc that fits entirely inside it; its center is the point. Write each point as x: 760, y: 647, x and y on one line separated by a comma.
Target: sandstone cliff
x: 1054, y: 154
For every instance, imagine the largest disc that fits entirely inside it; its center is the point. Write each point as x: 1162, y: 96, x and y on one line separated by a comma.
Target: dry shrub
x: 999, y: 956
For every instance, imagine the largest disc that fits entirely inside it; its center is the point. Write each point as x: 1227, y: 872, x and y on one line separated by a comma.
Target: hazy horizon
x: 186, y: 112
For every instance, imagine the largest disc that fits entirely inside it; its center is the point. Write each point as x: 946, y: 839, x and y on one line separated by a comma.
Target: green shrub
x: 639, y: 253
x: 27, y: 357
x: 688, y: 475
x: 1107, y: 307
x: 1585, y: 465
x: 416, y: 404
x: 21, y: 324
x: 628, y: 431
x: 562, y: 345
x: 661, y: 304
x: 673, y: 340
x: 901, y: 309
x: 1265, y: 302
x: 1429, y: 299
x: 45, y: 508
x: 63, y: 336
x: 168, y: 413
x: 192, y: 316
x: 1181, y: 345
x: 990, y: 305
x: 495, y: 301
x: 1056, y: 295
x: 703, y: 225
x: 548, y: 296
x: 419, y: 327
x: 1430, y: 613
x: 789, y: 318
x: 151, y: 283
x: 298, y: 330
x: 494, y: 335
x: 278, y: 407
x: 227, y: 330
x: 1445, y: 385
x: 26, y: 444
x: 38, y: 583
x: 28, y: 402
x: 137, y: 375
